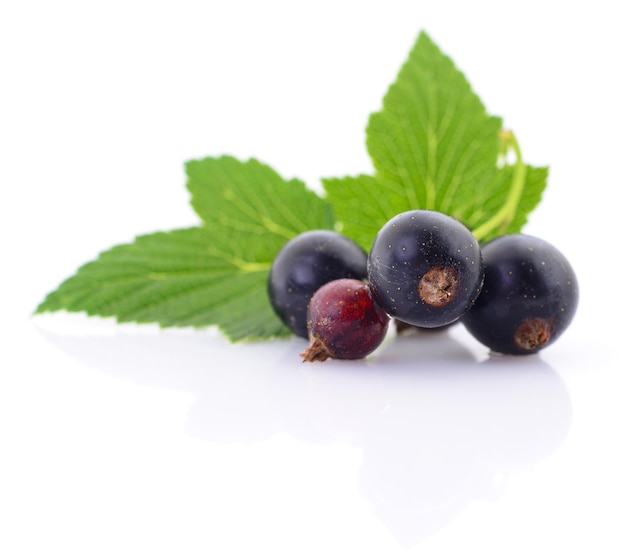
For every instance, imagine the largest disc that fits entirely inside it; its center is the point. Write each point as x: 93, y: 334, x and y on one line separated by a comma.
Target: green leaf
x: 434, y: 146
x: 252, y: 205
x: 433, y: 139
x: 176, y: 278
x: 361, y: 204
x: 209, y: 275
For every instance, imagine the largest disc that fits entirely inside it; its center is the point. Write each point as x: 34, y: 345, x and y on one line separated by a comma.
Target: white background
x: 124, y: 440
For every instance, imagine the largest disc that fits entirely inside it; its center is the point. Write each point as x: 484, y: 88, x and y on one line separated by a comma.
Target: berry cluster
x: 516, y: 294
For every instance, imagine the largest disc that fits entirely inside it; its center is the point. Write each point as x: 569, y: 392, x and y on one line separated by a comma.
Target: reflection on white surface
x: 439, y: 427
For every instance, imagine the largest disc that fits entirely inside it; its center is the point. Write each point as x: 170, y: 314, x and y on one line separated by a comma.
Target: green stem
x: 506, y: 213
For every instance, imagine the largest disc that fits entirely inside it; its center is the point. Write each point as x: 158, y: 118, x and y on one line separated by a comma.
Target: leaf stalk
x: 506, y: 213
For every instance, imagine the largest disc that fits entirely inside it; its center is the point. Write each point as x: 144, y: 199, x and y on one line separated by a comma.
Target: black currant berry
x: 305, y: 263
x: 344, y: 322
x: 529, y: 296
x: 425, y: 268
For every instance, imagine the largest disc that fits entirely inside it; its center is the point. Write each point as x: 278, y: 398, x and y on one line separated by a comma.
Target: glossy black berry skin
x: 529, y: 297
x: 303, y: 265
x: 344, y: 322
x: 425, y: 268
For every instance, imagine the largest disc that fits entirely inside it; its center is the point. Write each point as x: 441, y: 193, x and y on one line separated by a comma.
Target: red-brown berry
x: 344, y: 322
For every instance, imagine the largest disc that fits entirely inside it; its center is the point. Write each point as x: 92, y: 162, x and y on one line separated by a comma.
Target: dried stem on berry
x: 315, y: 352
